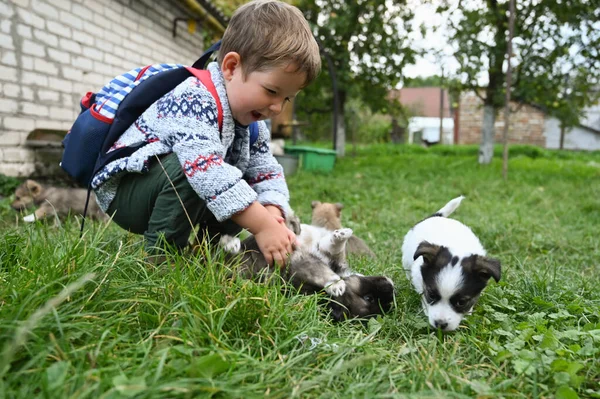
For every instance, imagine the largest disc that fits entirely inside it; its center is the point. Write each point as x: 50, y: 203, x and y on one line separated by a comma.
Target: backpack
x: 107, y: 114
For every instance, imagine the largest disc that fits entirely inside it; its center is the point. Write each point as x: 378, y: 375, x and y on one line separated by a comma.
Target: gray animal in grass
x: 54, y: 201
x: 320, y: 266
x: 329, y: 216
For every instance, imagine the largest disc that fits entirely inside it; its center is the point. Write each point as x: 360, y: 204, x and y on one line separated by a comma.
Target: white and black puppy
x: 447, y: 266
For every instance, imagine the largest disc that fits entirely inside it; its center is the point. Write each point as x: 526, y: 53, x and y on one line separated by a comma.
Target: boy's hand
x: 266, y: 223
x: 276, y: 212
x: 276, y: 242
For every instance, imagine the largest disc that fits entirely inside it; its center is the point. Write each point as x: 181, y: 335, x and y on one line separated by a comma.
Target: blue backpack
x: 107, y: 114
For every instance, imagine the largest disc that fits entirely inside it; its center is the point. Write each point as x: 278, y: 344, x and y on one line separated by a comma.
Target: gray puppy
x: 51, y: 201
x: 311, y: 271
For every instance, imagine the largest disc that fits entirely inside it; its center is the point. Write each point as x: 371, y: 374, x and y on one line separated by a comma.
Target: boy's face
x: 262, y: 94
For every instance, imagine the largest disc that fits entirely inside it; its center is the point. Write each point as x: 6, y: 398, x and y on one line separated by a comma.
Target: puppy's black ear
x: 427, y: 251
x: 315, y: 204
x: 487, y: 267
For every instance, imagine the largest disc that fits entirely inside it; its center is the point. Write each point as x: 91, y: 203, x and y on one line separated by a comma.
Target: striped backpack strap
x: 109, y: 98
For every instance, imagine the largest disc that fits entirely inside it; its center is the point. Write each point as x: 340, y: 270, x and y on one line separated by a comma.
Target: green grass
x: 132, y: 330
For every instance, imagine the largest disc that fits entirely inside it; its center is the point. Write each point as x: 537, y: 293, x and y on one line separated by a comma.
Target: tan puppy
x: 329, y: 216
x: 51, y: 201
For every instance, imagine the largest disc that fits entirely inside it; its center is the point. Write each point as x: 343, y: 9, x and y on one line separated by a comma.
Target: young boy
x: 190, y: 173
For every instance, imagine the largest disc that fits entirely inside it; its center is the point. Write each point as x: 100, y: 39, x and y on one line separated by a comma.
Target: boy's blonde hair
x: 268, y: 34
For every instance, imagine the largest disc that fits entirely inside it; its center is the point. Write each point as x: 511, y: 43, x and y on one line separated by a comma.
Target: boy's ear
x: 231, y: 61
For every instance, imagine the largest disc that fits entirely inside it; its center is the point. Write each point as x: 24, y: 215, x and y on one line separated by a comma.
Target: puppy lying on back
x: 447, y: 266
x: 51, y: 201
x: 329, y: 216
x: 319, y: 264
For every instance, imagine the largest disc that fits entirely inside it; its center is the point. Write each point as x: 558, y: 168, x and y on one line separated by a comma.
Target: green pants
x: 151, y: 205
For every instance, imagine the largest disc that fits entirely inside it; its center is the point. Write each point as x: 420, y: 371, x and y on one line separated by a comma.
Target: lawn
x: 88, y: 318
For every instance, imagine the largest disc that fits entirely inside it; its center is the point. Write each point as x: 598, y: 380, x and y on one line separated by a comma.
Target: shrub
x: 8, y: 185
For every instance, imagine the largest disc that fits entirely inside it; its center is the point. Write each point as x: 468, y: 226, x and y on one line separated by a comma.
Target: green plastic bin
x: 315, y: 159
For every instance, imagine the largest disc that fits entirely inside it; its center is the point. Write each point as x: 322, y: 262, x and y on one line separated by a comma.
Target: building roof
x: 423, y: 101
x: 591, y: 120
x: 214, y: 11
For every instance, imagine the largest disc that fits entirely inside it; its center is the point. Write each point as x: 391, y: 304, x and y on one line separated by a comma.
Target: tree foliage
x: 558, y: 59
x: 555, y: 52
x: 368, y: 46
x: 367, y: 42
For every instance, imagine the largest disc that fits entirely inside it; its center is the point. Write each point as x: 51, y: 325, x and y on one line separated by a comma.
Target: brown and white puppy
x: 54, y: 201
x: 329, y: 216
x: 321, y: 266
x: 447, y: 266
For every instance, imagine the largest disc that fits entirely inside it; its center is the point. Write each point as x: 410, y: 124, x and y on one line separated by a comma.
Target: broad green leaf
x: 129, y: 387
x: 549, y: 340
x: 56, y: 374
x: 209, y: 366
x: 561, y: 378
x: 565, y: 392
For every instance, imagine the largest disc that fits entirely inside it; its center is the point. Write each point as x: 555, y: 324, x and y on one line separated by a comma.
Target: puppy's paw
x: 230, y: 244
x: 341, y: 235
x: 336, y: 288
x: 335, y: 242
x: 29, y: 218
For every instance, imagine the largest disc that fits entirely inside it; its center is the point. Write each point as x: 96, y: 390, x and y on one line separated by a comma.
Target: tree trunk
x: 486, y: 150
x: 340, y: 141
x: 493, y: 94
x: 562, y: 136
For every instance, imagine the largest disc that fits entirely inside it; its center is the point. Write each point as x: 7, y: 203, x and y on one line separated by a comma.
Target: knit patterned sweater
x: 221, y: 167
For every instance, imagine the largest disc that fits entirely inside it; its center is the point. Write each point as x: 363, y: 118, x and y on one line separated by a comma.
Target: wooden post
x: 511, y: 29
x: 442, y: 107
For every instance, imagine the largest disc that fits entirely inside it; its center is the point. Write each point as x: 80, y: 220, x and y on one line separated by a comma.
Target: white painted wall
x: 578, y: 138
x: 430, y: 129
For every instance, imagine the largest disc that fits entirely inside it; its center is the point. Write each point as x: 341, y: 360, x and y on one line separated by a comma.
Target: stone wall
x: 54, y: 51
x: 526, y: 124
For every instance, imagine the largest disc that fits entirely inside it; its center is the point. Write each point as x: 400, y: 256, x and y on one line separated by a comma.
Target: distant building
x: 423, y: 104
x: 462, y: 125
x: 528, y: 125
x: 586, y: 136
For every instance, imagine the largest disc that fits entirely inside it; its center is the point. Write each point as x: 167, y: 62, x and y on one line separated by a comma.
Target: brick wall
x: 526, y: 125
x: 53, y: 51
